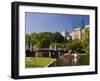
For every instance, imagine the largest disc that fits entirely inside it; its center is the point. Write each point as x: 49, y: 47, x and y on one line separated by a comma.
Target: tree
x: 28, y: 41
x: 85, y: 39
x: 85, y: 36
x: 34, y: 39
x: 45, y: 43
x: 76, y: 45
x: 58, y: 45
x: 45, y: 39
x: 57, y: 37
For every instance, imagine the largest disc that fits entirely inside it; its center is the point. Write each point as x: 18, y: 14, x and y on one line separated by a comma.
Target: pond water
x: 62, y: 61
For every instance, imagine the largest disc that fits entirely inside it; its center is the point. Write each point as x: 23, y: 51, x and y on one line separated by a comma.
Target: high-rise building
x: 65, y: 34
x: 77, y: 33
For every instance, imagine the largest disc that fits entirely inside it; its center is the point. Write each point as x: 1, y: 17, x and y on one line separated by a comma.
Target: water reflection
x: 63, y: 61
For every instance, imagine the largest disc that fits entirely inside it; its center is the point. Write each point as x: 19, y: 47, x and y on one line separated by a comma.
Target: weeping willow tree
x: 86, y: 39
x: 27, y: 41
x: 31, y: 41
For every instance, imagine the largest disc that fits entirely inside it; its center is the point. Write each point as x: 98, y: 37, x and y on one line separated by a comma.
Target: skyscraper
x: 65, y: 34
x: 76, y: 34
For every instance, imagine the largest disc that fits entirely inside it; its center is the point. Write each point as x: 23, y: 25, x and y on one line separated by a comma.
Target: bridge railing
x: 49, y: 49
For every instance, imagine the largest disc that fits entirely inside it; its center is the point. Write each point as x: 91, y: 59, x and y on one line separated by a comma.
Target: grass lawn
x: 31, y: 62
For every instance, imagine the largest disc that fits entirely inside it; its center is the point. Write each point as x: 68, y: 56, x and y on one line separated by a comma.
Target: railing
x: 49, y: 48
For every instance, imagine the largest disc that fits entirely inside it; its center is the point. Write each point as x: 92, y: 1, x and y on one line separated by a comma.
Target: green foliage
x: 44, y: 39
x: 85, y: 39
x: 76, y: 45
x: 85, y: 36
x: 58, y: 45
x: 81, y: 45
x: 57, y: 37
x: 28, y: 40
x: 45, y: 43
x: 47, y: 39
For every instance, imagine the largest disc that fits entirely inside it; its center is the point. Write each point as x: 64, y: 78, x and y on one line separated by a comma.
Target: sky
x: 50, y: 22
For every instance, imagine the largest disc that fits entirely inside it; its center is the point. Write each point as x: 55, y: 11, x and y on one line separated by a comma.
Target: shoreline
x: 50, y: 63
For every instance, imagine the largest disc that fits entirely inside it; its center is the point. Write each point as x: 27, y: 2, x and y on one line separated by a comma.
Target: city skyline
x: 47, y: 22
